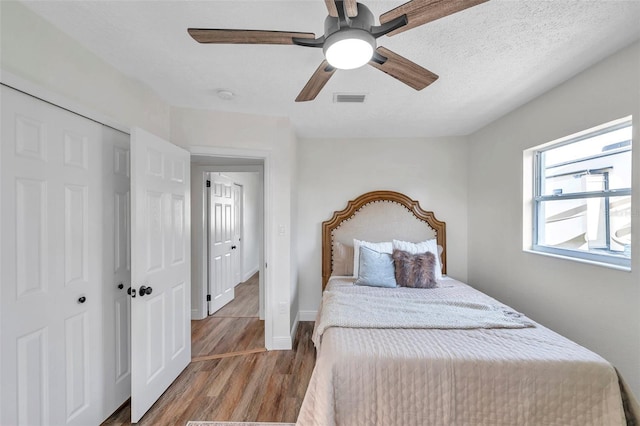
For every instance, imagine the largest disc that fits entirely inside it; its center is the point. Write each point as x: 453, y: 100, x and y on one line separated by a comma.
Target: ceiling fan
x: 349, y: 39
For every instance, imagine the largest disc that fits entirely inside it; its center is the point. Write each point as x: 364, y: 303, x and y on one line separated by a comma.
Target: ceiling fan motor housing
x: 348, y: 42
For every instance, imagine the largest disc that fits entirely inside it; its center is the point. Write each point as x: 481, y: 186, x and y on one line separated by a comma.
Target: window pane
x: 594, y: 145
x: 610, y: 170
x: 597, y: 225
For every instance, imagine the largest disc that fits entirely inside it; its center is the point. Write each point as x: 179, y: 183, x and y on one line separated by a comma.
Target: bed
x: 448, y: 355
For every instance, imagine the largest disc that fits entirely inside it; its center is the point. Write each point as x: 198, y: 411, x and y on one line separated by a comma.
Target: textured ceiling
x: 490, y: 58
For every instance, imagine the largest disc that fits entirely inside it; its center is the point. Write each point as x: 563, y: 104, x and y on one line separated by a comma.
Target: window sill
x: 575, y: 259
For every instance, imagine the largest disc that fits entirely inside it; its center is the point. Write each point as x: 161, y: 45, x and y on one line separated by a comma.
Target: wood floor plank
x: 246, y: 301
x: 271, y: 404
x: 254, y: 389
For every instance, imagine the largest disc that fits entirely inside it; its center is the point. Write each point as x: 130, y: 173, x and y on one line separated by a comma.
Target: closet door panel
x: 78, y: 374
x: 31, y: 237
x: 51, y: 251
x: 117, y: 270
x: 32, y: 377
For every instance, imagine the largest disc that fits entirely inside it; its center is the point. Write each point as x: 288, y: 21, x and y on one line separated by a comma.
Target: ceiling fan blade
x: 316, y: 82
x: 331, y: 8
x: 351, y: 8
x: 419, y: 12
x: 202, y: 35
x: 404, y: 70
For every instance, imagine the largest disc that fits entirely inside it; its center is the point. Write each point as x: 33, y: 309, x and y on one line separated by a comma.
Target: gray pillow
x: 375, y: 269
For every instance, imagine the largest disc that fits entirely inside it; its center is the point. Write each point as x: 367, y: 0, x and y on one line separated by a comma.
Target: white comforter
x: 342, y: 309
x: 475, y: 377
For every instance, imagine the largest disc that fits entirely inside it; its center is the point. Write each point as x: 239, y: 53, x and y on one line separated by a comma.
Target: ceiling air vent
x: 341, y: 98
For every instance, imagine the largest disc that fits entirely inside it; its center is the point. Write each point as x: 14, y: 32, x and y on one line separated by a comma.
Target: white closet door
x: 51, y: 253
x: 117, y: 269
x: 161, y: 264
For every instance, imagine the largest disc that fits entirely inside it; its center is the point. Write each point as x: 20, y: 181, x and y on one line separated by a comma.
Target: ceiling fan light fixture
x: 349, y: 49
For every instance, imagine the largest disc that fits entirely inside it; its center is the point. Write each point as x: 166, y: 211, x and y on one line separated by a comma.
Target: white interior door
x: 51, y: 257
x: 237, y: 234
x: 221, y: 220
x: 117, y: 269
x: 161, y: 265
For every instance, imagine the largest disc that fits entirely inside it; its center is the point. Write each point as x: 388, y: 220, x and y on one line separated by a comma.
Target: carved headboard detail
x: 380, y: 216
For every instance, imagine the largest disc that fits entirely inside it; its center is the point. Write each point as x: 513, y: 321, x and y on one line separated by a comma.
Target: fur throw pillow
x: 415, y: 270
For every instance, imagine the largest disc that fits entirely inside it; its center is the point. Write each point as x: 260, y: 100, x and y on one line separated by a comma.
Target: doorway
x: 239, y: 326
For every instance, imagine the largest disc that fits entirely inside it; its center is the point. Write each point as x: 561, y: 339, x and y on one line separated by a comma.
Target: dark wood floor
x: 231, y: 376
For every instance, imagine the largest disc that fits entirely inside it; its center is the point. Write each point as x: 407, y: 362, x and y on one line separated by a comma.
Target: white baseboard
x: 285, y: 343
x: 281, y: 343
x: 294, y: 328
x: 249, y: 274
x: 196, y: 314
x: 307, y: 315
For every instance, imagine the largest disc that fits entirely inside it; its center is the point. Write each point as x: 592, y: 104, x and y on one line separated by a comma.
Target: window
x: 582, y: 195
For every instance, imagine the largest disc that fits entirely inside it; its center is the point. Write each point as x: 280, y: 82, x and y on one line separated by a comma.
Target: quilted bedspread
x: 475, y: 377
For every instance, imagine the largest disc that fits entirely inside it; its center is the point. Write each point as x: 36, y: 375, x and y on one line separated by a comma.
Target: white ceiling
x: 490, y: 58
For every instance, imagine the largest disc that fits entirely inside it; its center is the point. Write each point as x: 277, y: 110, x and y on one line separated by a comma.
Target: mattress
x: 434, y: 376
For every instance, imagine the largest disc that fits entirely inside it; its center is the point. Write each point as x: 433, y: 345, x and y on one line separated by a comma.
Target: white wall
x: 334, y: 171
x: 295, y: 230
x: 199, y: 128
x: 38, y: 53
x: 596, y: 306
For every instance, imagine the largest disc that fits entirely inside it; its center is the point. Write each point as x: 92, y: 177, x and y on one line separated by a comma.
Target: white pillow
x: 386, y: 247
x: 418, y: 248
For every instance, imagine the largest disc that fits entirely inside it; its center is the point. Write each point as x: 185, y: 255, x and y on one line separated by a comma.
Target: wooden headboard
x: 380, y: 216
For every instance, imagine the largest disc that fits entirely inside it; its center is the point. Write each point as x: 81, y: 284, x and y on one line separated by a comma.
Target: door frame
x: 239, y: 225
x: 231, y: 160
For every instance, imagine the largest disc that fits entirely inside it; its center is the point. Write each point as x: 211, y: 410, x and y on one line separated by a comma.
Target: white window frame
x: 538, y: 199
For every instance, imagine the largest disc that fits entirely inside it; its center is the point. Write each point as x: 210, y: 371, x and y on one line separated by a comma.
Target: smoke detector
x: 225, y: 95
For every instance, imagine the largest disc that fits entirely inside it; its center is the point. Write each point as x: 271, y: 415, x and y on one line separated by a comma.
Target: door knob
x: 131, y: 292
x: 145, y: 290
x: 120, y: 286
x: 233, y: 247
x: 82, y: 299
